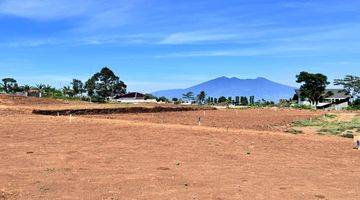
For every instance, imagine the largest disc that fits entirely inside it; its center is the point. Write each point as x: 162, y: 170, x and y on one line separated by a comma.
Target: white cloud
x: 293, y: 50
x: 196, y: 37
x: 45, y: 9
x: 89, y: 15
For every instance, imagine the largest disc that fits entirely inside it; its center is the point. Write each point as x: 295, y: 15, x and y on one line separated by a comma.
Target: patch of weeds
x: 293, y: 131
x: 43, y: 188
x: 50, y: 170
x: 333, y: 127
x: 331, y: 116
x: 308, y: 122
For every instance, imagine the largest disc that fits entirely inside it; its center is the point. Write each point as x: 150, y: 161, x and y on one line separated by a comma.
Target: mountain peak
x: 260, y: 87
x: 261, y: 78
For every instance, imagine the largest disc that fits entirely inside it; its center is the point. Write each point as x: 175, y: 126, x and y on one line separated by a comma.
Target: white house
x: 337, y: 99
x: 133, y: 97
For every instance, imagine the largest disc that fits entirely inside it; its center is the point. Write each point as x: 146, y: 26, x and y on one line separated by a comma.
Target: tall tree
x: 313, y: 86
x: 10, y: 85
x: 90, y: 86
x: 252, y: 100
x: 200, y: 98
x: 351, y: 84
x: 244, y: 101
x: 105, y: 84
x: 77, y: 86
x: 229, y: 100
x: 237, y: 100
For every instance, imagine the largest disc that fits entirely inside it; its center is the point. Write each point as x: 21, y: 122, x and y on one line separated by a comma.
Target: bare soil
x: 47, y: 157
x: 257, y: 119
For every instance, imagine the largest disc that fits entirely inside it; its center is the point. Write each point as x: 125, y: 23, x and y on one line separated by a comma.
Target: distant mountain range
x: 261, y: 88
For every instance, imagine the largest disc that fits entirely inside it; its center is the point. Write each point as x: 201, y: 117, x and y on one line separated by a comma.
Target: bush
x: 355, y: 105
x: 303, y: 107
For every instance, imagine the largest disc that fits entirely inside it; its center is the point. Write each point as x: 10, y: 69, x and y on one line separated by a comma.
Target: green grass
x: 326, y: 125
x: 331, y: 116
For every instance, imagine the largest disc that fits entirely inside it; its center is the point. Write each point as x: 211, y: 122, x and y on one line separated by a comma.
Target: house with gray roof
x: 336, y: 99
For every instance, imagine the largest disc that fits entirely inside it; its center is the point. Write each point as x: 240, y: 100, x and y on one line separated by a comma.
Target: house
x: 337, y: 99
x: 133, y: 97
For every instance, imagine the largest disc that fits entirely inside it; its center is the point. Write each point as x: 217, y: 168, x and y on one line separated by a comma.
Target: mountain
x: 261, y: 88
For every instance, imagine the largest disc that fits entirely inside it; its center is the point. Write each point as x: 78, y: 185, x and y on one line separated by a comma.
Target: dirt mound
x: 102, y: 111
x: 25, y: 101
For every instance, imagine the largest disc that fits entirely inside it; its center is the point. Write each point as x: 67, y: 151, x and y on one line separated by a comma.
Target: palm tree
x: 41, y: 88
x: 67, y: 91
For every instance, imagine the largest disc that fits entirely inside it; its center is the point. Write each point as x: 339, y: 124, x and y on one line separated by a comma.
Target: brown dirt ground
x: 45, y: 157
x: 257, y: 119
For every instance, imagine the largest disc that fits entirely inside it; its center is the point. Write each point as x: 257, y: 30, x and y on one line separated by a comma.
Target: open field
x: 139, y: 156
x: 28, y: 104
x: 256, y: 119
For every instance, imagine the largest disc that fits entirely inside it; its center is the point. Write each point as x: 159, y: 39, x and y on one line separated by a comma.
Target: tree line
x: 99, y: 88
x: 106, y: 84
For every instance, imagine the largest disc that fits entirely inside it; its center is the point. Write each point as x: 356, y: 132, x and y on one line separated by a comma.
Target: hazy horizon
x: 158, y: 45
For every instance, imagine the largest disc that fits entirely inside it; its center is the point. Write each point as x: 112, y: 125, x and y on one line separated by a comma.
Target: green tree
x: 90, y: 87
x: 77, y: 87
x: 149, y: 96
x: 229, y: 100
x: 200, y: 98
x: 237, y: 100
x: 313, y: 87
x: 351, y: 84
x: 10, y: 85
x: 67, y: 91
x: 41, y: 88
x: 252, y: 100
x: 189, y: 96
x: 222, y: 99
x: 244, y: 101
x: 105, y: 84
x: 162, y: 99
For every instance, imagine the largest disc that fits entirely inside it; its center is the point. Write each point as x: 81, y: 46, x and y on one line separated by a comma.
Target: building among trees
x: 337, y: 99
x: 133, y: 97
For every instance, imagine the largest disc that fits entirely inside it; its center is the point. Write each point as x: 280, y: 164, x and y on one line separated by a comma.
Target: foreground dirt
x: 45, y: 157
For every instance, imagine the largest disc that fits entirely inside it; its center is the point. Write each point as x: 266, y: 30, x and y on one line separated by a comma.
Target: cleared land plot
x: 258, y: 119
x: 44, y: 157
x: 150, y: 156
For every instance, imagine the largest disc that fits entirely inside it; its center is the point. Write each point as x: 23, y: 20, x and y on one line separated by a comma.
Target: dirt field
x: 137, y: 157
x: 256, y: 119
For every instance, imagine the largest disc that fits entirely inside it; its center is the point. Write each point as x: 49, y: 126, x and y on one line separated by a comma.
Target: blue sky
x: 165, y: 44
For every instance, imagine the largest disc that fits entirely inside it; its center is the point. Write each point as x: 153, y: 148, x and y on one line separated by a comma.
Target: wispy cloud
x: 196, y: 37
x: 245, y: 52
x: 89, y: 15
x: 45, y: 9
